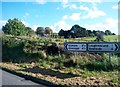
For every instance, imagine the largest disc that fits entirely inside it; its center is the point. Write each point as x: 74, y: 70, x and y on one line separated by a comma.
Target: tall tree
x: 89, y: 32
x: 14, y: 27
x: 108, y: 32
x: 100, y: 37
x: 40, y: 31
x: 48, y: 30
x: 61, y: 32
x: 29, y: 31
x: 95, y: 32
x: 79, y: 31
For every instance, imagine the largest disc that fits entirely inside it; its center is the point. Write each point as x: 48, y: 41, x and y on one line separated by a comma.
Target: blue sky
x: 63, y: 15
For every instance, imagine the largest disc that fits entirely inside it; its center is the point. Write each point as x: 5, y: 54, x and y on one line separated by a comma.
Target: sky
x: 63, y: 14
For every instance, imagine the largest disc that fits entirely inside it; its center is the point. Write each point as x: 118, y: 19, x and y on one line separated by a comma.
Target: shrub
x: 12, y: 49
x: 42, y: 54
x: 99, y: 66
x: 53, y: 49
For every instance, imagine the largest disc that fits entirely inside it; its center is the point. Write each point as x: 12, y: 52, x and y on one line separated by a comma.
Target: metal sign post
x: 109, y: 57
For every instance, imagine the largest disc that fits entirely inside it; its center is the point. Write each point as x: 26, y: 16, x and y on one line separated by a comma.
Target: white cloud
x: 84, y: 8
x: 60, y: 25
x: 98, y: 1
x: 93, y: 13
x: 111, y: 23
x: 41, y: 1
x: 34, y: 27
x: 90, y: 12
x: 75, y: 17
x: 2, y: 23
x: 68, y: 4
x: 73, y: 6
x: 25, y: 23
x: 108, y: 24
x: 65, y: 5
x: 115, y: 7
x: 65, y: 17
x: 65, y: 1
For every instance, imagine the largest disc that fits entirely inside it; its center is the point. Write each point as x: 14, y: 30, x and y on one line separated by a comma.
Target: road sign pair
x: 92, y: 47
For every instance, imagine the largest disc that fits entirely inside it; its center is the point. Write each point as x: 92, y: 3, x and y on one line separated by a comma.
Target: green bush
x: 16, y: 49
x: 42, y: 54
x: 12, y: 49
x: 99, y: 66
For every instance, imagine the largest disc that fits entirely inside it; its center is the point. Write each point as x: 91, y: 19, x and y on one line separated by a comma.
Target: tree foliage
x: 14, y: 27
x: 29, y: 31
x: 77, y: 31
x: 108, y: 32
x: 40, y: 31
x: 100, y: 37
x: 48, y: 30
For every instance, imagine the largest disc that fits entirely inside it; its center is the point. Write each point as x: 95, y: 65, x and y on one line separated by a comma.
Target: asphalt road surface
x: 11, y: 79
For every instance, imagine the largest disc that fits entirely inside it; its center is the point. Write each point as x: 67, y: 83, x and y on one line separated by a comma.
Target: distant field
x: 111, y: 38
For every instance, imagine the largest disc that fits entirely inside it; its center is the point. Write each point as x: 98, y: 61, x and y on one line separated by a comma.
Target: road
x: 11, y: 79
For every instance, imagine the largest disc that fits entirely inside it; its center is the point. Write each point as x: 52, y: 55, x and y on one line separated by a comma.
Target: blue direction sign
x: 104, y: 47
x: 92, y: 47
x: 75, y: 46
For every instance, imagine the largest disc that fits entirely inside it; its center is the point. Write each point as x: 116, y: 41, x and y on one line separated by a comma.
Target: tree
x: 95, y: 32
x: 89, y: 32
x: 102, y: 32
x: 61, y: 32
x: 55, y: 35
x: 108, y: 32
x: 72, y: 34
x: 76, y: 30
x: 29, y: 31
x: 113, y: 34
x: 14, y: 27
x: 48, y: 31
x: 92, y: 35
x: 66, y: 34
x: 40, y: 31
x: 79, y: 31
x: 100, y: 37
